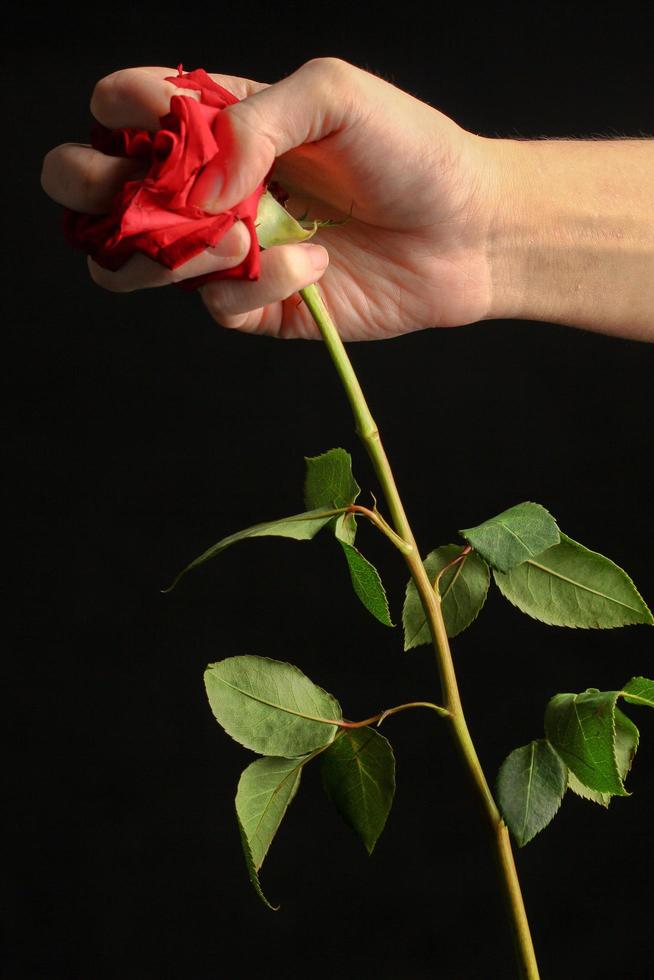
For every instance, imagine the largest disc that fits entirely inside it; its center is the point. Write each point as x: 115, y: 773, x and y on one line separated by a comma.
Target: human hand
x: 418, y: 187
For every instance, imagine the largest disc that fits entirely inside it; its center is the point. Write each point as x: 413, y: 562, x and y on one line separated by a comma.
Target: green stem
x: 381, y: 524
x: 368, y: 432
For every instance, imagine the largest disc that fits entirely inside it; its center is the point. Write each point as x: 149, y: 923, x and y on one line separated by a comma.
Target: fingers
x: 318, y: 99
x: 140, y: 272
x: 285, y: 269
x: 83, y: 179
x: 140, y: 96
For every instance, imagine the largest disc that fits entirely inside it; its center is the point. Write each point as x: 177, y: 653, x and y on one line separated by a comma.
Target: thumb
x: 301, y: 108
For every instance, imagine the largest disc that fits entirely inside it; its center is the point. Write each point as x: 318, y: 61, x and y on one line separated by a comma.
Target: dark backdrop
x: 140, y: 432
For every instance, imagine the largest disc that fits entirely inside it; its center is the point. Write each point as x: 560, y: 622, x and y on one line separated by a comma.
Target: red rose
x: 152, y: 215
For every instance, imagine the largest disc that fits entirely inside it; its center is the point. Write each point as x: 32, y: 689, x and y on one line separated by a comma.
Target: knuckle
x: 334, y: 70
x: 254, y: 127
x: 337, y: 87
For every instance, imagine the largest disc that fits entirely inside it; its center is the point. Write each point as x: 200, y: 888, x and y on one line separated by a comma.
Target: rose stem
x: 368, y: 432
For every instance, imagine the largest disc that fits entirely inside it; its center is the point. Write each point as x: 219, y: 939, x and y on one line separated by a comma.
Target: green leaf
x: 568, y: 585
x: 463, y: 590
x: 358, y: 771
x: 627, y: 737
x: 530, y: 786
x: 301, y: 527
x: 582, y: 729
x: 271, y: 707
x: 626, y: 744
x: 519, y: 533
x: 252, y: 871
x: 329, y: 482
x: 586, y: 793
x: 639, y: 690
x: 367, y: 584
x: 265, y: 790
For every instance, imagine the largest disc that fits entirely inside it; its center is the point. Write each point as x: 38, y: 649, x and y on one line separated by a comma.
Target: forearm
x: 572, y: 238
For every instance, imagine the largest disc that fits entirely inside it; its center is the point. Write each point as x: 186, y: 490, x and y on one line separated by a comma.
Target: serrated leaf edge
x: 249, y: 863
x: 606, y: 793
x: 345, y: 545
x: 313, y: 459
x: 549, y: 622
x: 533, y: 503
x: 613, y: 752
x: 603, y: 803
x: 296, y: 773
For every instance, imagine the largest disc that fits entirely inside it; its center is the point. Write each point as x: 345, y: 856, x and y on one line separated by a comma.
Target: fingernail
x: 318, y: 256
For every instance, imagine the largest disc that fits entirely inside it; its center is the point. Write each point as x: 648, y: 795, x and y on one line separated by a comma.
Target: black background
x: 140, y: 432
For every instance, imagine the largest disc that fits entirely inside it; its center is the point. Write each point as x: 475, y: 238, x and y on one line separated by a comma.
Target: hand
x: 419, y: 188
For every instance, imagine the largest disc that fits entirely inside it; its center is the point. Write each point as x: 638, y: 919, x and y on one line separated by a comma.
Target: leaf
x: 367, y: 584
x: 252, y: 871
x: 265, y: 790
x: 626, y: 744
x: 463, y: 590
x: 301, y: 527
x: 568, y: 585
x: 582, y: 729
x: 530, y: 786
x: 271, y: 707
x: 639, y: 690
x: 586, y: 793
x: 329, y: 481
x: 510, y: 538
x: 358, y: 771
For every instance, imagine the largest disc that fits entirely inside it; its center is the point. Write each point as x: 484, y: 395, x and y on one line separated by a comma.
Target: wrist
x: 571, y: 233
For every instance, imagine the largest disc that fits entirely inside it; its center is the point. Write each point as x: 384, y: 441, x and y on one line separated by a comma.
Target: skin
x: 447, y: 227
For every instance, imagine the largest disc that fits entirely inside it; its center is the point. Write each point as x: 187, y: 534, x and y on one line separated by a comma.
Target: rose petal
x: 153, y: 215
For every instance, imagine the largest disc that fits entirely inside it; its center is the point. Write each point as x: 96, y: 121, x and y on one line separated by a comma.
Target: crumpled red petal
x: 152, y: 215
